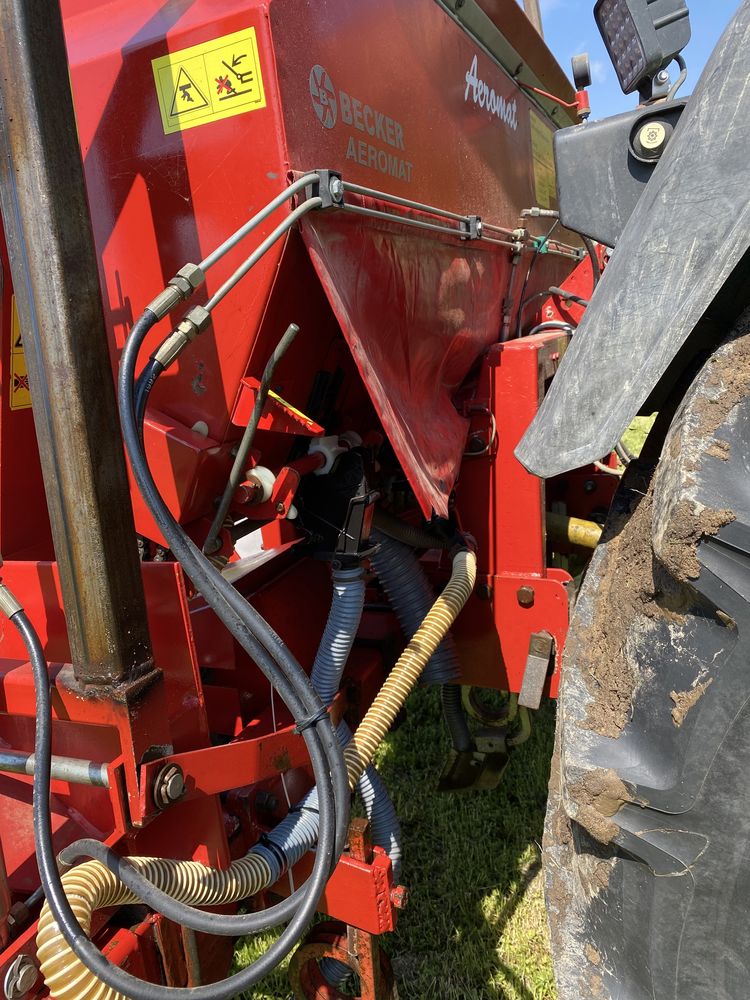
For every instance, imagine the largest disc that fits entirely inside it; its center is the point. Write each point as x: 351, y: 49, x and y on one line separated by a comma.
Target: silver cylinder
x: 71, y: 769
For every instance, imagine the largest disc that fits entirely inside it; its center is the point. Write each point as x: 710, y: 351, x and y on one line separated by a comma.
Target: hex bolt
x: 336, y: 188
x: 20, y: 977
x: 589, y: 486
x: 169, y: 786
x: 662, y: 76
x: 280, y: 508
x: 525, y: 596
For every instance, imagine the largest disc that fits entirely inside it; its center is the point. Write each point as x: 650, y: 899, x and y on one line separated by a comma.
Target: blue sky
x: 569, y: 29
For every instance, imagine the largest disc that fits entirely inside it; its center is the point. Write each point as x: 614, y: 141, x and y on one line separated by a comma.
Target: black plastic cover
x: 601, y: 170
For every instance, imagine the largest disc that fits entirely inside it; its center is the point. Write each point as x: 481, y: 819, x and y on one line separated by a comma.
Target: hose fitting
x: 178, y: 289
x: 9, y: 606
x: 195, y: 322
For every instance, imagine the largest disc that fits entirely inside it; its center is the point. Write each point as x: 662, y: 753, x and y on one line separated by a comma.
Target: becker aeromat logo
x: 323, y: 96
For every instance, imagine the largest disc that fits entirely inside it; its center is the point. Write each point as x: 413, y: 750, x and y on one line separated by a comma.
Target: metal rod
x: 373, y: 213
x: 497, y: 229
x: 48, y: 229
x: 406, y: 202
x: 256, y: 220
x: 71, y: 769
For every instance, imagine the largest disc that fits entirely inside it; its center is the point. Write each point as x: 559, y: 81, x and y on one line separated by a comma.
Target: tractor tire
x: 647, y: 838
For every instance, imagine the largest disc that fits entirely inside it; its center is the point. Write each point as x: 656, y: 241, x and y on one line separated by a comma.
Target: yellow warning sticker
x: 544, y: 161
x: 207, y: 82
x: 20, y: 397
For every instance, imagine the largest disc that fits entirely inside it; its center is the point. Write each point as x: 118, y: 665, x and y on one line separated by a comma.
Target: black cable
x: 277, y: 663
x: 596, y: 271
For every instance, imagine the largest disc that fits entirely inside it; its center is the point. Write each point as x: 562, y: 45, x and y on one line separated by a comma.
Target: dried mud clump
x: 728, y: 382
x: 688, y: 523
x: 720, y: 449
x: 685, y: 700
x: 592, y: 954
x: 598, y: 796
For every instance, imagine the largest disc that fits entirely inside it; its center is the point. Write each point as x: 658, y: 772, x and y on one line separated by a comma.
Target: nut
x: 336, y: 188
x: 169, y: 786
x: 20, y: 977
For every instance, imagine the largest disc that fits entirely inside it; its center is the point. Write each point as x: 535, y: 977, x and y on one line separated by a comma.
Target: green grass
x: 475, y: 926
x: 636, y: 434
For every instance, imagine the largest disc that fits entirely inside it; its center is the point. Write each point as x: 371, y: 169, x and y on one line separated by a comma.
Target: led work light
x: 642, y: 36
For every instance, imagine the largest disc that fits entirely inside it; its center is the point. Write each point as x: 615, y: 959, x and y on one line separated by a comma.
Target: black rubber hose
x: 249, y: 628
x: 144, y: 385
x: 321, y: 733
x: 596, y: 271
x: 87, y: 952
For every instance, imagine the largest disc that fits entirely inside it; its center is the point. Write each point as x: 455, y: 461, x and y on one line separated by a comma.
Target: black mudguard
x: 686, y: 236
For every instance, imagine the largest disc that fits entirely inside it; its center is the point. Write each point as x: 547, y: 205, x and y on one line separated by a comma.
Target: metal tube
x: 406, y: 202
x: 256, y: 220
x: 373, y: 213
x: 291, y: 220
x: 71, y: 769
x: 55, y: 279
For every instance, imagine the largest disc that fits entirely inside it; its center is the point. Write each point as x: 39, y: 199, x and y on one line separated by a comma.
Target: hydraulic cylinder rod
x: 50, y: 242
x: 71, y: 769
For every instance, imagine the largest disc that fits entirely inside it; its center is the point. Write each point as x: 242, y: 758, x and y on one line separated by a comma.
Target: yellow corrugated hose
x: 404, y: 676
x: 91, y: 886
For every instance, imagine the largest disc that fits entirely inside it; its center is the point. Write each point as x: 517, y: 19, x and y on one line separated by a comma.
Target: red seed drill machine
x: 309, y: 264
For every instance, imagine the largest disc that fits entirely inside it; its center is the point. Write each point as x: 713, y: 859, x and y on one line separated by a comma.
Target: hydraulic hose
x: 243, y: 621
x: 403, y: 678
x: 261, y: 643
